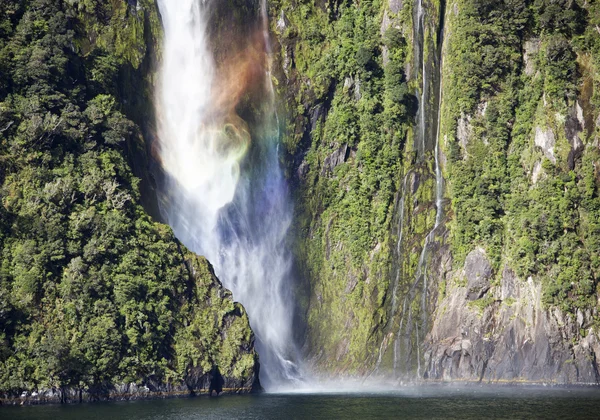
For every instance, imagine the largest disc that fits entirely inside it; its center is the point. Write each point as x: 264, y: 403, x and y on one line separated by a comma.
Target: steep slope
x: 362, y: 155
x: 349, y: 115
x: 490, y: 273
x: 96, y: 300
x: 520, y: 132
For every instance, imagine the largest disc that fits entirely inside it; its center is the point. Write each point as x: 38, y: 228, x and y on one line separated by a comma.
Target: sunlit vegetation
x: 547, y: 229
x: 92, y: 291
x: 354, y: 103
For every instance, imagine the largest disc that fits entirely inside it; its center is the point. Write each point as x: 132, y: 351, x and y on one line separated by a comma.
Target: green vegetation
x: 538, y: 216
x: 511, y: 69
x: 92, y: 291
x: 349, y: 91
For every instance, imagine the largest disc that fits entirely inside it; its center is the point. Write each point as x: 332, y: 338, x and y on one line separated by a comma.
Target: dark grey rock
x: 317, y: 113
x: 197, y: 382
x: 509, y: 284
x: 414, y: 182
x: 519, y: 340
x: 478, y: 271
x: 574, y: 124
x: 303, y: 170
x: 336, y: 158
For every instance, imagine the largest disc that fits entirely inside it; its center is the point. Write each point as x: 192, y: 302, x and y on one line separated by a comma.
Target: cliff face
x: 97, y: 301
x: 488, y: 271
x: 519, y: 128
x: 348, y: 117
x: 444, y: 162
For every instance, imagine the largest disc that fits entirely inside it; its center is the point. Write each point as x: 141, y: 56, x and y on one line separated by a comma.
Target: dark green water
x: 408, y: 403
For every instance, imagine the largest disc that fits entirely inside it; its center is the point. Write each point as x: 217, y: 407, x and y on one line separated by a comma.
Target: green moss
x: 482, y: 304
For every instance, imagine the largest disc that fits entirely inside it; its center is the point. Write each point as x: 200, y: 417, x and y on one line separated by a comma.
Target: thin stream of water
x: 421, y: 130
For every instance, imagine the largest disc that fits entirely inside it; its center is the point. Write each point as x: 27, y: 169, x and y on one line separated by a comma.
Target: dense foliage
x: 519, y: 71
x: 351, y: 108
x: 92, y: 291
x: 514, y: 73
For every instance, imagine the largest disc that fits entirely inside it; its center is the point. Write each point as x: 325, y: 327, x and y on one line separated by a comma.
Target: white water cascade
x: 224, y: 193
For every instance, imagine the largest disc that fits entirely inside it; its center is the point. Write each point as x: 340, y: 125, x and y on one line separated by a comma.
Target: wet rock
x: 196, y: 382
x: 287, y: 60
x: 478, y: 271
x: 317, y: 113
x: 574, y: 124
x: 287, y: 49
x: 415, y: 178
x: 282, y: 22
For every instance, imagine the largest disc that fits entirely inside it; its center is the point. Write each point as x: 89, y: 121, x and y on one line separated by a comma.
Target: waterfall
x: 398, y: 267
x: 439, y: 181
x: 430, y: 97
x: 223, y: 192
x: 420, y: 48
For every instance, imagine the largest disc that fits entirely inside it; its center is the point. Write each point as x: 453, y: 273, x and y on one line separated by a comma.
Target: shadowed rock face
x: 478, y: 272
x: 574, y: 125
x: 336, y: 158
x: 512, y: 152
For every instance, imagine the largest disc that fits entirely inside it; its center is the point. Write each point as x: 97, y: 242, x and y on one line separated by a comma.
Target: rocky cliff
x: 444, y: 156
x: 519, y: 300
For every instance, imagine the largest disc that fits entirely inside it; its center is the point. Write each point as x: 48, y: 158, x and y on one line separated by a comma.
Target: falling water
x: 439, y: 181
x: 420, y: 54
x: 401, y: 206
x: 398, y: 269
x: 224, y: 193
x: 426, y: 115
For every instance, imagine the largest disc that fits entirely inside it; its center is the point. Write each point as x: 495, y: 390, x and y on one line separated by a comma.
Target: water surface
x: 441, y: 402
